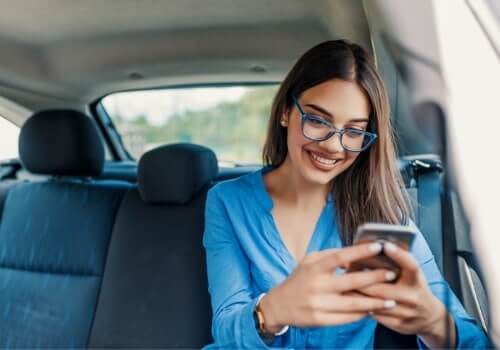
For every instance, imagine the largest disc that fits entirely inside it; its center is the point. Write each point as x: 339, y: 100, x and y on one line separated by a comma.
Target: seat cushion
x: 155, y: 291
x: 53, y: 243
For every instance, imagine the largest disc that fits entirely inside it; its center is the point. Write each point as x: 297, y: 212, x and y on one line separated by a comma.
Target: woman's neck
x: 287, y: 184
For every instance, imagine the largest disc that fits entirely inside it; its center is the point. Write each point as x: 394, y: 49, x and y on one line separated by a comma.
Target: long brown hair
x: 371, y: 189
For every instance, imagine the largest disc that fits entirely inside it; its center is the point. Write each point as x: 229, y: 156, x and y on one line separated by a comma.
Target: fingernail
x: 375, y: 247
x: 390, y: 247
x: 389, y: 304
x: 390, y: 275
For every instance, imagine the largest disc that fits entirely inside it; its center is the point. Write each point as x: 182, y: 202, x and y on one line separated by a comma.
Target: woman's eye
x: 317, y: 121
x: 354, y: 133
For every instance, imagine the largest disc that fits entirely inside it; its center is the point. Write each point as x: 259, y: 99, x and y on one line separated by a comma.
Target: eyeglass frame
x: 341, y: 131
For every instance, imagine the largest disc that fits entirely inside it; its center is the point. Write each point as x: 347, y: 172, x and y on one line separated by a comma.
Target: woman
x: 272, y: 237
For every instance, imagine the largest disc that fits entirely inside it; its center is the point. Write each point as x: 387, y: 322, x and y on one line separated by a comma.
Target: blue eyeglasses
x: 316, y: 128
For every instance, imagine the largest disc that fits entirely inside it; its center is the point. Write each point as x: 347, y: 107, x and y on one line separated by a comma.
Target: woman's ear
x: 285, y: 119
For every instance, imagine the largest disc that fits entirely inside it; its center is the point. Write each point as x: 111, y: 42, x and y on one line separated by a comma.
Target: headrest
x: 61, y: 142
x: 175, y: 173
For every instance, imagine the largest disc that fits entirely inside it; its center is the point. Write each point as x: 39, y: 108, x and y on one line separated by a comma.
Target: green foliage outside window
x: 235, y: 130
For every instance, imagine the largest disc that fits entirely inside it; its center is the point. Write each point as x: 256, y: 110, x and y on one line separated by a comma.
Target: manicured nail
x: 375, y: 247
x: 390, y: 247
x: 389, y: 304
x: 390, y: 275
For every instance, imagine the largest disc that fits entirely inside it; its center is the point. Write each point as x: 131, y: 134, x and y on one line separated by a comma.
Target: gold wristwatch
x: 260, y: 323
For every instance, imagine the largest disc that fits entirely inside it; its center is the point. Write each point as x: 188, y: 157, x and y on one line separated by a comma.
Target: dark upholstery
x: 5, y: 186
x: 155, y: 289
x: 54, y: 235
x: 61, y: 142
x: 32, y: 236
x: 53, y: 243
x: 175, y: 173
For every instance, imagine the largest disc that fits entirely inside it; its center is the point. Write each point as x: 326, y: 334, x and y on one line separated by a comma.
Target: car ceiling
x: 59, y: 53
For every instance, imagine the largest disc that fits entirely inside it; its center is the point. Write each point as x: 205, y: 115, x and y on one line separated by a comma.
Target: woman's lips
x: 321, y: 162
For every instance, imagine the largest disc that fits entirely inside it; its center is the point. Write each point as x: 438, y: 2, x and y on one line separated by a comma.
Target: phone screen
x: 402, y: 236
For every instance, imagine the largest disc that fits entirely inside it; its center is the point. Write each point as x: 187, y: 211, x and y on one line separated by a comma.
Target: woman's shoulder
x: 238, y: 188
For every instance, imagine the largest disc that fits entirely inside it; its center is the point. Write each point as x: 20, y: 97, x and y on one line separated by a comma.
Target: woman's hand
x: 417, y: 310
x: 313, y: 295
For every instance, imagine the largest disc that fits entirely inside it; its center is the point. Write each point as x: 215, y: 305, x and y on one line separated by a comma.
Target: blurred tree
x: 234, y: 130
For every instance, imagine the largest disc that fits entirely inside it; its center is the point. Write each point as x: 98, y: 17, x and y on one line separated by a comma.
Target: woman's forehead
x: 343, y: 99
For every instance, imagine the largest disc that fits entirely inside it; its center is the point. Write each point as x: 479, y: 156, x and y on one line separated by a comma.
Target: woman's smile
x: 322, y: 161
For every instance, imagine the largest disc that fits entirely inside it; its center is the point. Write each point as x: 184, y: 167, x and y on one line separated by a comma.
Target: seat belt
x: 428, y: 176
x: 425, y: 173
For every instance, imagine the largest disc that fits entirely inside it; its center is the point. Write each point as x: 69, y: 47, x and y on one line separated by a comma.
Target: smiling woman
x: 352, y: 95
x: 277, y: 240
x: 353, y: 136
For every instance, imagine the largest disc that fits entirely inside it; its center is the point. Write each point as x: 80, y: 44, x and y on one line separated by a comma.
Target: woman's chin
x: 317, y: 176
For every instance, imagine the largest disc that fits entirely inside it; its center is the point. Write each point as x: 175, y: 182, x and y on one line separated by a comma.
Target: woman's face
x: 344, y: 105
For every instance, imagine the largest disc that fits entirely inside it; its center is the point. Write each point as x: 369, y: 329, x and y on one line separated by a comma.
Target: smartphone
x: 402, y: 236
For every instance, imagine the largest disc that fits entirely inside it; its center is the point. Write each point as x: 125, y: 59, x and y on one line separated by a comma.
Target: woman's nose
x: 332, y: 144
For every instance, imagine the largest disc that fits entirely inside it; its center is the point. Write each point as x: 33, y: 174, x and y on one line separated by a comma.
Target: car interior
x: 101, y: 249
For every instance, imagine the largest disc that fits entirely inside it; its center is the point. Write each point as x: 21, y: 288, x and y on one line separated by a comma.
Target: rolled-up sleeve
x: 469, y: 334
x: 229, y: 281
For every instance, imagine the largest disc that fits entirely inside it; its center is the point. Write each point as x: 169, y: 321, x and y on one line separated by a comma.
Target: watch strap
x: 260, y: 322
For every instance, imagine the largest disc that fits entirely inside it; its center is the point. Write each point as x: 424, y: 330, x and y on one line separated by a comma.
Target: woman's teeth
x: 323, y: 160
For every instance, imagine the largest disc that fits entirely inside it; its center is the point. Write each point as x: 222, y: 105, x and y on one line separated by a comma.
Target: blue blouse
x: 246, y: 257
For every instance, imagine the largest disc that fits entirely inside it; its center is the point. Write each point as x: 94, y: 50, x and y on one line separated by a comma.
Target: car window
x: 232, y: 121
x: 9, y: 135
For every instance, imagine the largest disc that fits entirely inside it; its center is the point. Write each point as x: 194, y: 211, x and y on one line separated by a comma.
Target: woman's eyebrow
x: 359, y: 120
x: 324, y: 111
x: 319, y: 109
